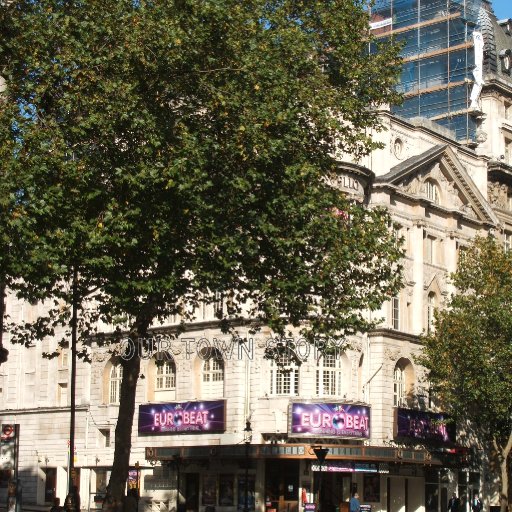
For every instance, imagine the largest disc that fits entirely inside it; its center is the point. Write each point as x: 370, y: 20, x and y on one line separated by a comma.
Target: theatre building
x: 220, y: 428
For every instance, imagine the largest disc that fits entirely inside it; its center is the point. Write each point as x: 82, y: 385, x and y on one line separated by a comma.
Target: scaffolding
x: 437, y: 78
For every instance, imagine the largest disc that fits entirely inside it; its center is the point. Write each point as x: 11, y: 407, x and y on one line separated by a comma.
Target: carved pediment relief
x: 449, y: 195
x: 438, y: 175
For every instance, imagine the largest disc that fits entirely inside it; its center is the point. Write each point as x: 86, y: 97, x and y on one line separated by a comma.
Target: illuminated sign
x: 425, y: 426
x: 330, y: 420
x: 182, y: 417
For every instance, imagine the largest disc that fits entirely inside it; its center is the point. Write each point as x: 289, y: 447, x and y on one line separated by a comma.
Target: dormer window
x: 432, y: 191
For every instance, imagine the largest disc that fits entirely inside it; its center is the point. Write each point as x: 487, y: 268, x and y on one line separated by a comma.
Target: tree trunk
x: 504, y: 469
x: 123, y: 436
x: 504, y: 484
x: 116, y: 488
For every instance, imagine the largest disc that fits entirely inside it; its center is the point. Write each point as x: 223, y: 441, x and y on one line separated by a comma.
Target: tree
x: 469, y: 353
x: 169, y: 151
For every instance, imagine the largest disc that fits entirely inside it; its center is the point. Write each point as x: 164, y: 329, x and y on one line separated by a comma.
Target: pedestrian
x: 131, y: 502
x: 453, y: 503
x: 56, y: 506
x: 355, y: 505
x: 476, y: 504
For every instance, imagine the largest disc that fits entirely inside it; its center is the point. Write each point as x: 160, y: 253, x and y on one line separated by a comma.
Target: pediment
x: 439, y: 167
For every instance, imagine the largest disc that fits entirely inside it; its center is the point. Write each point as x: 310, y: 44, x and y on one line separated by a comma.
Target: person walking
x: 476, y: 504
x: 355, y: 505
x: 453, y: 503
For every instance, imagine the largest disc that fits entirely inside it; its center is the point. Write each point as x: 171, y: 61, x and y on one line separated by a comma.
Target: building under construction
x: 448, y: 47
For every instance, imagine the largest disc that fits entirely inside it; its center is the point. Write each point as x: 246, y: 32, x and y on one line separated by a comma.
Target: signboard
x: 341, y: 466
x: 310, y: 507
x: 8, y: 446
x: 8, y: 432
x: 425, y: 426
x: 330, y: 420
x: 182, y: 417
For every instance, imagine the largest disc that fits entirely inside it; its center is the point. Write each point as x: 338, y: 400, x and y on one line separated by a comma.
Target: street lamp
x: 247, y: 441
x: 177, y: 462
x: 137, y: 468
x: 321, y: 454
x: 70, y: 503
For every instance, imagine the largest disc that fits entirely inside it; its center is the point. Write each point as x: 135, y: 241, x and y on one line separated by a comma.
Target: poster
x: 227, y: 490
x: 329, y: 420
x: 209, y: 490
x: 371, y: 488
x: 250, y: 493
x: 179, y: 417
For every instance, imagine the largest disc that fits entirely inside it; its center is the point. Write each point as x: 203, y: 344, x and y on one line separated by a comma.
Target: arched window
x: 432, y: 191
x: 212, y: 373
x: 431, y: 307
x: 116, y: 376
x: 284, y: 376
x: 403, y: 381
x: 398, y: 386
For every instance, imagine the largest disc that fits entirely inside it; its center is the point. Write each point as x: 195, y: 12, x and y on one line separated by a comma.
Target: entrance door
x: 282, y: 485
x: 334, y: 490
x: 192, y: 492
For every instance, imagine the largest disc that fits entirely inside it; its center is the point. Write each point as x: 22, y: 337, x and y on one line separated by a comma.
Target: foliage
x: 468, y: 354
x: 166, y: 152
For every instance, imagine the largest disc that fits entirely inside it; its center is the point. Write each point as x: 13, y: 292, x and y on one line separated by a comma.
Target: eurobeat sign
x: 182, y: 417
x: 330, y: 420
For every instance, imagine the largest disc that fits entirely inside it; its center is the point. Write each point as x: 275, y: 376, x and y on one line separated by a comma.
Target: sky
x: 502, y: 8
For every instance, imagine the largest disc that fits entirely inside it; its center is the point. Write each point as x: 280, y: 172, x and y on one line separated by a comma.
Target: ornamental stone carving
x: 497, y: 194
x: 412, y: 186
x: 392, y: 354
x: 100, y: 356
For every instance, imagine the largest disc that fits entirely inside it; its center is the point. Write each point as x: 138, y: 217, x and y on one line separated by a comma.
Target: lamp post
x: 321, y: 454
x: 247, y: 441
x: 177, y: 462
x: 137, y: 467
x: 70, y: 503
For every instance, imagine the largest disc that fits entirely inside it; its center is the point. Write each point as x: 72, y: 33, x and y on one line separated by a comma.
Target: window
x: 30, y: 388
x: 284, y: 376
x: 64, y: 358
x: 116, y: 376
x: 328, y: 375
x: 429, y: 249
x: 218, y: 305
x: 62, y: 395
x: 508, y: 111
x: 508, y: 151
x: 165, y: 376
x: 432, y: 191
x: 403, y: 378
x: 398, y: 387
x: 213, y: 370
x: 395, y: 313
x: 431, y: 307
x: 105, y: 438
x: 212, y: 374
x: 507, y: 242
